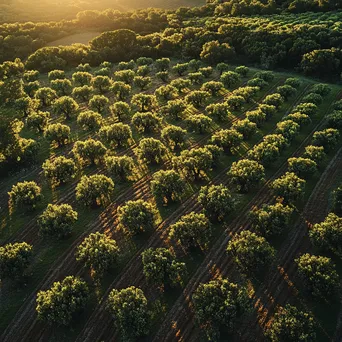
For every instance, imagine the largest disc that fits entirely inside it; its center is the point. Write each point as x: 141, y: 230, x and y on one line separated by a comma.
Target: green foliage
x: 219, y: 111
x: 286, y: 91
x: 65, y: 105
x: 38, y: 120
x: 181, y: 84
x: 89, y: 150
x: 14, y: 259
x: 120, y: 109
x: 57, y: 221
x: 270, y: 220
x: 307, y: 108
x: 82, y: 78
x: 319, y: 275
x: 101, y: 83
x: 166, y: 93
x: 293, y: 82
x: 288, y: 128
x: 289, y: 186
x: 121, y: 90
x: 313, y: 98
x: 213, y: 52
x: 230, y: 78
x: 197, y: 98
x: 167, y: 186
x: 228, y: 139
x: 242, y: 70
x: 180, y: 68
x: 98, y: 252
x: 212, y: 87
x: 98, y: 103
x: 315, y: 153
x: 257, y: 82
x: 290, y: 324
x: 90, y: 120
x: 151, y: 150
x: 328, y: 138
x: 62, y: 87
x: 264, y: 153
x: 59, y: 170
x: 56, y: 75
x: 335, y: 119
x: 161, y: 266
x: 144, y: 102
x: 299, y: 118
x: 217, y: 201
x: 175, y: 108
x: 82, y: 93
x: 94, y: 190
x: 163, y: 75
x: 275, y: 99
x: 246, y: 174
x: 162, y: 64
x: 321, y: 89
x: 25, y: 194
x: 250, y: 251
x: 328, y: 234
x: 45, y: 95
x: 174, y: 136
x: 199, y: 123
x: 26, y: 105
x: 64, y: 299
x: 116, y: 135
x: 191, y: 230
x: 121, y: 167
x: 246, y: 127
x: 137, y: 216
x: 142, y: 82
x: 129, y: 309
x: 337, y: 200
x: 302, y: 167
x: 256, y: 116
x: 235, y: 102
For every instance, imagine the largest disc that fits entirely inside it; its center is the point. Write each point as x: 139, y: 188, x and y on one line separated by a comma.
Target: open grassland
x: 171, y: 309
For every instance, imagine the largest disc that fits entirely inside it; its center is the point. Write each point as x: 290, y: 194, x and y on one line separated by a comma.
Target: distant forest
x: 55, y: 10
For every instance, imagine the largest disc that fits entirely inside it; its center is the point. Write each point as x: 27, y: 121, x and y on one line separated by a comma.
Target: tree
x: 242, y: 70
x: 337, y: 200
x: 288, y: 128
x: 337, y: 105
x: 142, y: 82
x: 306, y: 108
x: 286, y: 91
x: 62, y: 87
x: 65, y: 105
x: 217, y: 201
x: 136, y: 216
x: 319, y: 275
x: 293, y: 82
x: 98, y: 103
x: 120, y: 110
x: 199, y: 123
x: 98, y: 252
x: 45, y: 95
x: 235, y: 102
x: 289, y: 186
x: 129, y: 308
x: 143, y: 70
x: 94, y: 190
x: 315, y: 153
x: 245, y: 127
x: 290, y: 324
x: 116, y: 135
x: 146, y: 122
x: 264, y: 153
x: 62, y: 300
x: 166, y: 93
x: 90, y: 120
x: 163, y: 75
x: 26, y: 105
x: 56, y: 75
x: 220, y: 111
x: 328, y: 234
x: 313, y: 98
x: 144, y: 102
x: 256, y: 116
x: 196, y: 77
x: 191, y: 230
x: 121, y: 90
x: 82, y: 78
x: 271, y: 220
x: 250, y: 251
x: 101, y: 83
x: 31, y: 88
x: 89, y: 150
x: 57, y: 220
x: 59, y: 170
x: 38, y: 120
x: 228, y: 139
x: 277, y: 139
x: 302, y: 167
x: 161, y: 266
x: 213, y: 52
x: 125, y: 76
x: 14, y: 259
x: 219, y: 303
x: 180, y: 68
x: 58, y: 133
x: 268, y: 110
x: 25, y: 194
x: 274, y: 100
x: 195, y: 64
x: 175, y: 108
x: 167, y: 186
x: 328, y: 138
x: 121, y: 167
x: 257, y: 82
x: 230, y: 78
x: 193, y: 163
x: 181, y: 84
x: 246, y: 174
x: 335, y: 119
x: 321, y: 89
x: 299, y: 118
x: 151, y: 150
x: 174, y: 136
x: 162, y: 64
x: 197, y: 98
x: 82, y: 93
x: 267, y: 76
x: 222, y: 67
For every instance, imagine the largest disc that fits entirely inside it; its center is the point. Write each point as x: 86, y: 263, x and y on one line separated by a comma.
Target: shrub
x: 289, y: 186
x: 121, y: 167
x: 59, y: 170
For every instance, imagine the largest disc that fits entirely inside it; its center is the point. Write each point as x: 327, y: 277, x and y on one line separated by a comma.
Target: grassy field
x: 53, y: 260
